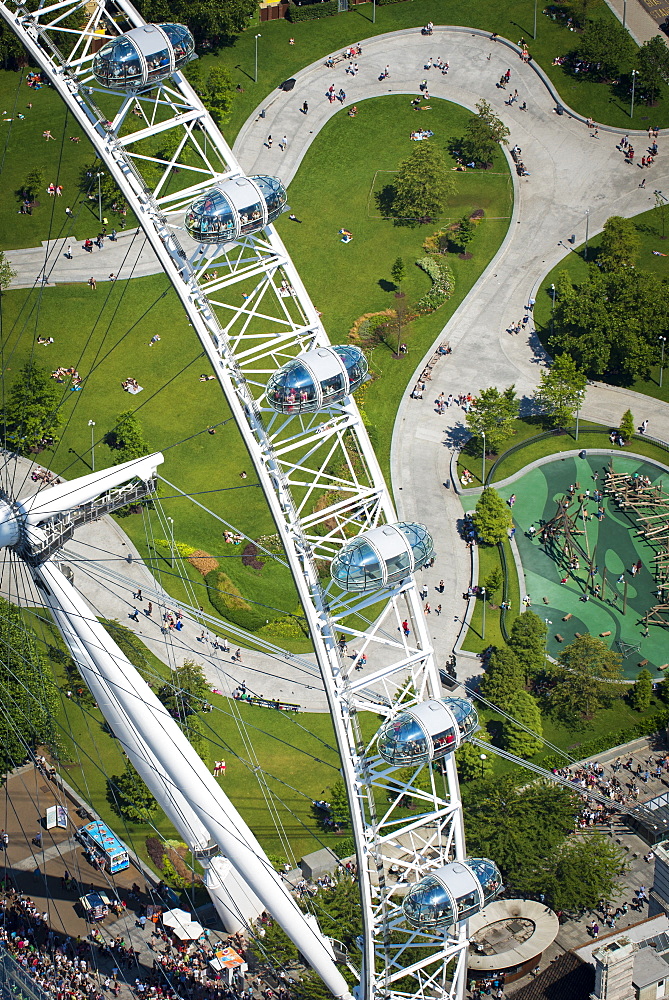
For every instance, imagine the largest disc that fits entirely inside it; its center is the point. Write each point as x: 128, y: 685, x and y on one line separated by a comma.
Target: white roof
x: 182, y: 925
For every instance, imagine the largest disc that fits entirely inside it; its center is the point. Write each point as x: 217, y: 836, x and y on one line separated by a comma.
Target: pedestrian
x: 438, y: 609
x: 283, y: 145
x: 238, y: 655
x: 269, y: 142
x: 135, y: 615
x: 149, y: 610
x: 644, y: 425
x: 305, y: 108
x: 440, y: 588
x: 69, y: 212
x: 405, y: 627
x: 643, y: 183
x: 294, y: 218
x: 68, y: 252
x: 427, y: 609
x: 93, y: 283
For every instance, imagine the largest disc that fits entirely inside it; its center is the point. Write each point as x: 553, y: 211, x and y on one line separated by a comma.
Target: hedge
x: 646, y: 727
x: 443, y: 283
x: 231, y: 607
x: 312, y: 12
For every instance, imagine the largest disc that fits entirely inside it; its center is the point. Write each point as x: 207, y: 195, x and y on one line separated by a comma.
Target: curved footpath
x: 571, y: 170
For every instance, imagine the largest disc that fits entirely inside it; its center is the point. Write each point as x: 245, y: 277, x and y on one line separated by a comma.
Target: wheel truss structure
x: 321, y: 479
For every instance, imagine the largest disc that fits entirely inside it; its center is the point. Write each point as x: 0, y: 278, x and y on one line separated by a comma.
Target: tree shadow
x: 388, y: 286
x: 457, y: 436
x: 384, y: 200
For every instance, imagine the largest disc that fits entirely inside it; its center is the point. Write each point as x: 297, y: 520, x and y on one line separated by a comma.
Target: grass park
x: 106, y: 336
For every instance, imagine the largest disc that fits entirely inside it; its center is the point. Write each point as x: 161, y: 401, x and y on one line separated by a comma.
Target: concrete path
x: 571, y: 171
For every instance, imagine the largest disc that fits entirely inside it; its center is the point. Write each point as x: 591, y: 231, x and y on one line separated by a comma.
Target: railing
x: 15, y: 982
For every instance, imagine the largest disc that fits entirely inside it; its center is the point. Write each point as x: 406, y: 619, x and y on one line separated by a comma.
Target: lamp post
x: 255, y: 77
x: 171, y: 542
x: 579, y: 399
x: 546, y: 642
x: 587, y: 230
x: 535, y: 20
x: 553, y: 310
x: 91, y: 424
x: 373, y: 11
x: 624, y: 13
x: 663, y: 341
x: 483, y: 460
x: 483, y: 757
x: 483, y: 627
x: 661, y: 203
x: 634, y: 76
x: 99, y: 175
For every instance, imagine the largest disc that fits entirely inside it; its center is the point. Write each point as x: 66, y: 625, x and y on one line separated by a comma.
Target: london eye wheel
x: 291, y: 394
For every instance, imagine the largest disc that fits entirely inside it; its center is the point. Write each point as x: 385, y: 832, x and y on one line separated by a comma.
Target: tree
x: 493, y: 582
x: 523, y: 707
x: 607, y: 46
x: 339, y: 804
x: 527, y: 639
x: 627, y: 426
x: 609, y: 325
x: 468, y: 759
x: 27, y: 691
x: 186, y: 690
x: 653, y: 65
x: 423, y: 185
x: 517, y: 823
x: 584, y: 680
x: 485, y: 131
x: 492, y: 517
x: 466, y: 232
x: 210, y: 20
x: 494, y: 415
x: 397, y: 273
x: 7, y: 272
x: 217, y: 91
x: 641, y: 691
x: 577, y: 874
x: 560, y: 390
x: 126, y: 438
x: 32, y: 412
x: 33, y: 183
x: 503, y: 677
x: 620, y: 243
x: 103, y: 186
x: 129, y: 796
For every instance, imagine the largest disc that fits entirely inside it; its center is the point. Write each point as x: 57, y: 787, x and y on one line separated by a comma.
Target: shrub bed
x: 443, y: 284
x: 313, y: 11
x: 228, y: 601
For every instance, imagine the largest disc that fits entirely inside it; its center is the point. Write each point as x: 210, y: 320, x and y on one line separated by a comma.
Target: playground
x: 612, y: 551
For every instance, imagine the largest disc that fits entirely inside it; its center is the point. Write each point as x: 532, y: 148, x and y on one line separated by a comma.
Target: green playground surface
x: 615, y: 547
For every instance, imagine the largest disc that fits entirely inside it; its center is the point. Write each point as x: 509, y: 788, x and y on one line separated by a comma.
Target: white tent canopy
x: 181, y: 925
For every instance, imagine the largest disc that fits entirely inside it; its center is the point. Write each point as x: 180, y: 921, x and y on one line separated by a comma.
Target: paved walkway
x: 570, y: 171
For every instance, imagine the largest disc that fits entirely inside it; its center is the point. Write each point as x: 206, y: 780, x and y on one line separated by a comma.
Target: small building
x: 226, y: 964
x: 319, y: 863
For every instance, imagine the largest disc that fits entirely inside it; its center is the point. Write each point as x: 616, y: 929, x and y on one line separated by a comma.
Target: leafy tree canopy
x: 492, y: 517
x: 129, y: 796
x: 653, y: 63
x: 27, y: 690
x: 7, y: 272
x: 485, y: 131
x: 577, y: 874
x: 126, y: 438
x: 523, y: 708
x: 423, y: 186
x: 606, y: 45
x: 32, y: 415
x: 560, y: 390
x: 527, y: 639
x: 641, y: 691
x: 627, y: 426
x: 493, y: 415
x: 186, y: 691
x: 503, y: 677
x: 610, y: 323
x: 519, y: 827
x: 582, y: 680
x: 209, y: 20
x: 620, y: 244
x: 468, y: 759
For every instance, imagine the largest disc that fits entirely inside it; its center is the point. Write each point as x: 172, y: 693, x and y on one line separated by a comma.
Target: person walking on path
x: 269, y: 142
x: 93, y: 283
x: 283, y: 145
x: 149, y: 610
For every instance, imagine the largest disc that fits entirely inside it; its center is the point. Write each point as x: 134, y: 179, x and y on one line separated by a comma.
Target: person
x: 93, y: 283
x: 305, y: 108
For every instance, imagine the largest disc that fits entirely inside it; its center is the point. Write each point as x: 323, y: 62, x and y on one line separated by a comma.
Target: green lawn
x: 476, y: 640
x: 105, y: 335
x: 651, y: 226
x: 512, y: 19
x: 296, y: 755
x: 346, y: 281
x: 277, y: 60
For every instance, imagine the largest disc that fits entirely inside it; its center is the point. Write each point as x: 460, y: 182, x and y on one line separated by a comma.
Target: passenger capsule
x: 316, y: 379
x: 427, y: 732
x: 236, y: 207
x: 382, y: 557
x: 452, y: 893
x: 143, y: 57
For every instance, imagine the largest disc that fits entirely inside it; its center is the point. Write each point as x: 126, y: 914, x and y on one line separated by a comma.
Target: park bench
x: 603, y: 634
x: 558, y: 637
x: 664, y: 666
x: 579, y: 635
x: 642, y: 663
x: 565, y: 618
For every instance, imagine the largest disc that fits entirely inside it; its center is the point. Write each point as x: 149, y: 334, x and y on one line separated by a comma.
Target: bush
x: 250, y: 557
x: 203, y: 562
x: 313, y: 11
x: 653, y: 724
x: 443, y: 283
x: 229, y: 603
